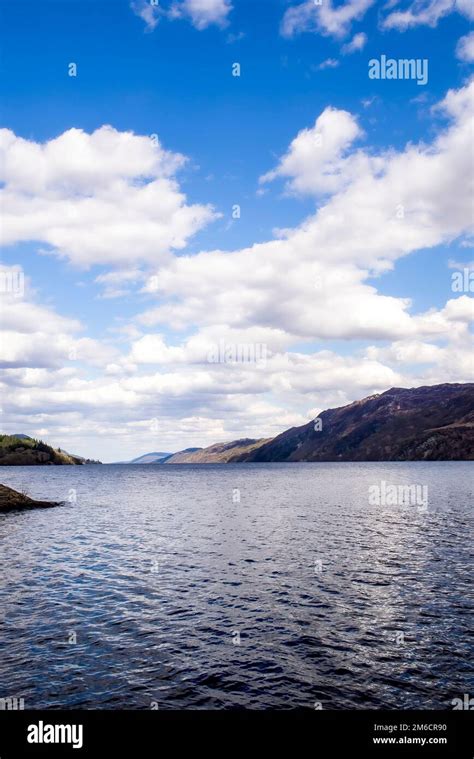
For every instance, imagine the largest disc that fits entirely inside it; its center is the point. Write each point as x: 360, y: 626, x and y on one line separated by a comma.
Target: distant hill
x: 180, y: 457
x: 220, y: 453
x: 22, y: 450
x: 433, y: 423
x: 151, y: 458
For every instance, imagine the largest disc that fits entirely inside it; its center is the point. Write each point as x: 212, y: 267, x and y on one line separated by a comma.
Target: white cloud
x: 149, y: 13
x: 201, y: 13
x: 465, y: 7
x: 22, y: 314
x: 108, y: 197
x: 202, y: 347
x: 357, y: 43
x: 459, y: 309
x: 461, y: 265
x: 36, y: 336
x: 315, y: 160
x: 329, y: 63
x: 465, y: 48
x: 325, y: 18
x: 40, y: 349
x: 311, y: 283
x: 115, y: 282
x: 426, y: 13
x: 451, y: 362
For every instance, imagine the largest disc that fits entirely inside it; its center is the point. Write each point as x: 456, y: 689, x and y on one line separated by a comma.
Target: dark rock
x: 10, y: 500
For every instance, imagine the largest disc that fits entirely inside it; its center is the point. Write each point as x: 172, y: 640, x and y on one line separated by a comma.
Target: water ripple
x: 155, y: 588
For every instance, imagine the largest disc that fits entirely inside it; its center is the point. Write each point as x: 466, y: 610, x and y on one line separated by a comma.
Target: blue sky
x: 172, y: 77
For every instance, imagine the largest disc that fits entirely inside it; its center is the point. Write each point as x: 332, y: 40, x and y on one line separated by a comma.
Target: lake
x: 256, y: 586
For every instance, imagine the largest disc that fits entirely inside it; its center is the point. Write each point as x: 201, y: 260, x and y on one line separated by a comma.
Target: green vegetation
x: 26, y: 451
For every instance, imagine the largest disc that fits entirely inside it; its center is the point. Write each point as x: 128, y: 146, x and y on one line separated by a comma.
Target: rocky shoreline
x: 11, y: 500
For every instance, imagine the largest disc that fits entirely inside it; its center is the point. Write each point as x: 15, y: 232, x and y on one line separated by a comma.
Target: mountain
x: 434, y: 423
x: 151, y: 458
x: 22, y: 450
x: 180, y: 457
x: 219, y: 453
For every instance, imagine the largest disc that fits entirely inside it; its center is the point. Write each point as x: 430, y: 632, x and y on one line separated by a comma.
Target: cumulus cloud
x: 465, y: 48
x: 35, y: 336
x: 22, y: 314
x: 465, y: 7
x: 209, y: 345
x: 148, y: 12
x: 426, y: 13
x: 432, y: 363
x: 315, y: 160
x: 116, y: 283
x: 309, y: 281
x: 40, y: 349
x: 108, y: 197
x: 201, y: 13
x: 325, y: 18
x: 357, y: 43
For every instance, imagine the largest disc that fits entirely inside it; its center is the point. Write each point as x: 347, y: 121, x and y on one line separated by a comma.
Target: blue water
x: 249, y: 586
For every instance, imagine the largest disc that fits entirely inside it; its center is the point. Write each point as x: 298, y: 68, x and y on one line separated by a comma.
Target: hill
x: 180, y: 457
x: 219, y: 453
x: 151, y: 458
x: 434, y: 423
x: 22, y: 450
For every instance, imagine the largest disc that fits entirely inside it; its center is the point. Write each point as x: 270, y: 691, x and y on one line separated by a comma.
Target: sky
x: 220, y: 217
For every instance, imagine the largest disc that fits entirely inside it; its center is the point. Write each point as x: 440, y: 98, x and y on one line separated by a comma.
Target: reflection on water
x: 157, y: 585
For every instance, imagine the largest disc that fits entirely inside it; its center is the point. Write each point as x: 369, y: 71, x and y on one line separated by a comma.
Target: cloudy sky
x: 193, y: 182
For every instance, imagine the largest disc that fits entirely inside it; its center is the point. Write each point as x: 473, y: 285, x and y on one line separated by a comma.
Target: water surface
x: 157, y: 586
